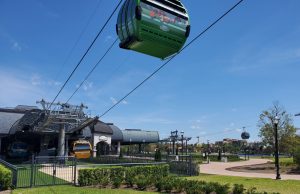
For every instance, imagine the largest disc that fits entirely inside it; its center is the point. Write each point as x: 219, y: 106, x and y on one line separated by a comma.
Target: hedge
x: 5, y: 178
x: 117, y: 175
x: 143, y: 177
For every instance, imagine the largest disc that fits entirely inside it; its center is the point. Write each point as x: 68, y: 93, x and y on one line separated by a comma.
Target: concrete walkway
x: 219, y: 168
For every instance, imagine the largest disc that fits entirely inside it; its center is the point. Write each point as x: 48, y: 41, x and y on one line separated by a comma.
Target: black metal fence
x: 43, y: 171
x: 116, y: 160
x: 183, y: 165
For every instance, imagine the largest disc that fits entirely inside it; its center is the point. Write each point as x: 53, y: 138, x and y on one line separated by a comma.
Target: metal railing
x: 182, y: 165
x: 43, y: 171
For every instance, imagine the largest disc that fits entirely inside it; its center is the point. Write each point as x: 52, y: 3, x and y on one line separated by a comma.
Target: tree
x: 286, y: 129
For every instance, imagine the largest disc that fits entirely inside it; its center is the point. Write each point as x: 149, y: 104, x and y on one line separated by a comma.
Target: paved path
x: 220, y: 169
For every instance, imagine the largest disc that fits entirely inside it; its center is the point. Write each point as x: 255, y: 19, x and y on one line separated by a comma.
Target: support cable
x: 172, y: 57
x: 78, y: 39
x: 92, y: 70
x: 86, y: 52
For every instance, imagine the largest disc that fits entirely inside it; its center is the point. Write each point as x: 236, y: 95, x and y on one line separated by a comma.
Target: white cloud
x: 17, y: 90
x: 54, y: 83
x: 113, y: 100
x: 195, y: 127
x: 87, y: 85
x: 16, y: 46
x: 38, y: 80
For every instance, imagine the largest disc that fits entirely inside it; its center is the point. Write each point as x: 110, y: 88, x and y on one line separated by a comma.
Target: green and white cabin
x: 158, y: 28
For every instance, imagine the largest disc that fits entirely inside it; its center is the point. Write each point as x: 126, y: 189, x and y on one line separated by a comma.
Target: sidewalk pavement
x: 220, y: 168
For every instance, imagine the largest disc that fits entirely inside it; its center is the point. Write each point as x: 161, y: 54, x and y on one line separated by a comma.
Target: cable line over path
x: 172, y: 57
x: 86, y: 52
x: 92, y: 70
x: 78, y: 39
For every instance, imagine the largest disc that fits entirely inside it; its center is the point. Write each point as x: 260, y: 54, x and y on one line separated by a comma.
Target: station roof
x: 117, y: 133
x: 101, y: 127
x: 8, y: 119
x: 140, y: 136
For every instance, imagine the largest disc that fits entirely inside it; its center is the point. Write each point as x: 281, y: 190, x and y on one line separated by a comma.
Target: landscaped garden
x: 156, y: 178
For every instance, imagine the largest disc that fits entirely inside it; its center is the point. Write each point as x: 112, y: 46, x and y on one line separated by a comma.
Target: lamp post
x: 207, y: 152
x: 182, y: 133
x: 276, y: 121
x: 174, y: 137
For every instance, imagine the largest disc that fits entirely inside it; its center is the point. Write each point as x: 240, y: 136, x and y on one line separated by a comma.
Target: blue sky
x: 221, y: 83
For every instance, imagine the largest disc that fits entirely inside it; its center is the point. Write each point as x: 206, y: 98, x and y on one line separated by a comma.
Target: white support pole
x: 61, y: 141
x: 119, y: 148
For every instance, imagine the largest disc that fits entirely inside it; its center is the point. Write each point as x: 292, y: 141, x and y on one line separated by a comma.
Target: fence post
x: 75, y: 170
x: 32, y: 170
x: 15, y: 177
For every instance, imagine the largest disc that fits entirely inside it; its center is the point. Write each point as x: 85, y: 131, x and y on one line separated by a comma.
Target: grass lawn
x: 268, y: 185
x: 24, y: 175
x: 76, y: 190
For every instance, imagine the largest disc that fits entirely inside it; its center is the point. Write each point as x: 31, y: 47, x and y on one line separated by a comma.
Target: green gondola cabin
x: 158, y: 28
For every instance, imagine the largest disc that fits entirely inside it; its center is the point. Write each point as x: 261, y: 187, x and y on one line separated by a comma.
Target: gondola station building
x: 28, y: 127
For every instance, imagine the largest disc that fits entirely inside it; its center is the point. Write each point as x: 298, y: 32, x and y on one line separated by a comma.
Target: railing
x: 116, y: 160
x: 183, y: 165
x: 42, y: 171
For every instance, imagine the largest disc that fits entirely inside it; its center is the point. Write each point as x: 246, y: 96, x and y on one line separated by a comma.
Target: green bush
x: 238, y: 189
x: 167, y: 184
x: 129, y: 176
x: 5, y: 178
x: 144, y: 176
x: 142, y: 182
x: 116, y: 175
x: 297, y: 157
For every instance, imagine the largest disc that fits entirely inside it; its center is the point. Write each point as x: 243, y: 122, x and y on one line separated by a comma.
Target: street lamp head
x: 276, y: 121
x: 182, y: 132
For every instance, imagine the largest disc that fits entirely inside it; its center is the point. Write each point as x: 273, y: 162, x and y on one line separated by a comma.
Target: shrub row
x: 171, y: 184
x: 117, y: 175
x: 5, y: 178
x: 154, y: 177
